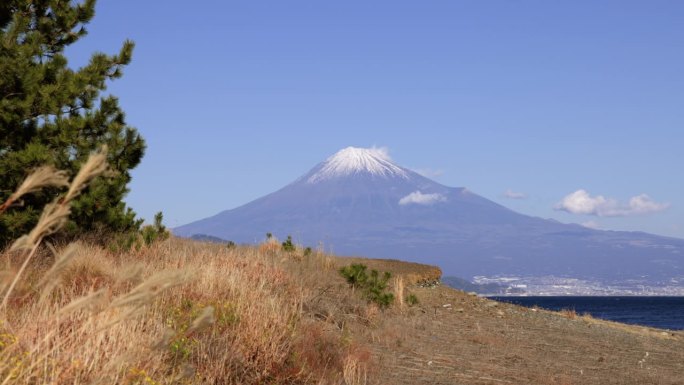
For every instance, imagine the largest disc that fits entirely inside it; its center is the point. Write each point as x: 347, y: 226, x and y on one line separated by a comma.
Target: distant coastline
x: 551, y: 286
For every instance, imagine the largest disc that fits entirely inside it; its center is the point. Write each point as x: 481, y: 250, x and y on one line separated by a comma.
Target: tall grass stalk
x: 174, y: 311
x: 55, y: 214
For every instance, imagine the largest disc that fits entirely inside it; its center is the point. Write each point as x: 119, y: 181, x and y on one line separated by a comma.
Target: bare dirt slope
x: 452, y: 337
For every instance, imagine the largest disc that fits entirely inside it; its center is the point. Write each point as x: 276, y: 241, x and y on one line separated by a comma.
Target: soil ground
x: 452, y: 337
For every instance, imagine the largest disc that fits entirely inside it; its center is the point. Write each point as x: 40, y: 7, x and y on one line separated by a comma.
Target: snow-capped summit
x: 359, y: 202
x: 353, y: 160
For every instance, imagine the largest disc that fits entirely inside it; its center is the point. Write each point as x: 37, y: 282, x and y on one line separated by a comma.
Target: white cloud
x: 510, y: 194
x: 429, y: 173
x: 419, y: 198
x: 641, y: 204
x: 381, y: 152
x: 581, y: 202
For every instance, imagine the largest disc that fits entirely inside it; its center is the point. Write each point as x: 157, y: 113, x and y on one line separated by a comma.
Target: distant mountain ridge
x: 208, y: 238
x: 358, y: 202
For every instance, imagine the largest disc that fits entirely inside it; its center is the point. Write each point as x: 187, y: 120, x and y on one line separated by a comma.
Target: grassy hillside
x: 186, y: 312
x: 180, y: 311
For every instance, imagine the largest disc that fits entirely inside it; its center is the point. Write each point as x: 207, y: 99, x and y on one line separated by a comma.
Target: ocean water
x: 658, y: 312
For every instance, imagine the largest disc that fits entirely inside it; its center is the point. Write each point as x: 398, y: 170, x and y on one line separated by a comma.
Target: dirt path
x: 455, y: 338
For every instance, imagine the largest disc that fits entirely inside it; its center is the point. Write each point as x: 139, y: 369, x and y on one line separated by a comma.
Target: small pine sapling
x: 373, y: 285
x: 288, y: 245
x: 156, y: 231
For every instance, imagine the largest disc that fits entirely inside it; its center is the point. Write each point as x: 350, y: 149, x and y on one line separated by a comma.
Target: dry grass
x: 568, y: 313
x: 398, y: 285
x: 179, y: 310
x: 355, y: 369
x: 174, y: 312
x: 184, y: 312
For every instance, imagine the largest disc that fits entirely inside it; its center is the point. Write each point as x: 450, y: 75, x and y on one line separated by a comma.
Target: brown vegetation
x: 170, y: 312
x: 189, y: 312
x: 180, y: 310
x: 184, y: 312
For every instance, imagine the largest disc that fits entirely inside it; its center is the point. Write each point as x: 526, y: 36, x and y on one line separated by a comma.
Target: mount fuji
x: 358, y: 202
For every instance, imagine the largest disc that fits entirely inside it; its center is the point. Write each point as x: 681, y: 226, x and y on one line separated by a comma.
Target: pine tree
x: 51, y: 114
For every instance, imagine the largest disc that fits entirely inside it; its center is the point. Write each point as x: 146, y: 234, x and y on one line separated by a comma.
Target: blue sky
x: 540, y: 98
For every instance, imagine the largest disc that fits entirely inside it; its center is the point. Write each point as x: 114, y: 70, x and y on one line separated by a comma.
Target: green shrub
x: 135, y: 239
x: 411, y: 300
x: 307, y: 251
x: 288, y: 245
x: 355, y: 274
x: 156, y: 231
x: 125, y: 241
x: 373, y: 285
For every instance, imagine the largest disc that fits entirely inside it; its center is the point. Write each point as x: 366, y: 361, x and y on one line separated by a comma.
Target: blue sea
x: 658, y: 312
